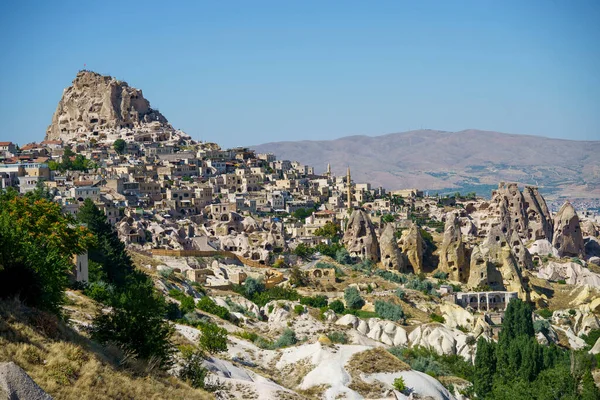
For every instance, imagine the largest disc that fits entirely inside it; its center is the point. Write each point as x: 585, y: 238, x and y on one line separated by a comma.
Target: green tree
x: 303, y: 251
x: 37, y: 243
x: 213, y: 339
x: 253, y: 287
x: 329, y: 230
x: 192, y: 367
x: 302, y: 213
x: 353, y: 299
x: 389, y: 311
x: 387, y: 218
x: 136, y: 322
x: 120, y: 146
x: 337, y: 306
x: 342, y: 256
x: 109, y: 251
x: 297, y: 277
x: 485, y: 367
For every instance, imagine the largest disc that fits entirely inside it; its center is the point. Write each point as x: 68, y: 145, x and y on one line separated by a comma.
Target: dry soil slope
x: 467, y: 159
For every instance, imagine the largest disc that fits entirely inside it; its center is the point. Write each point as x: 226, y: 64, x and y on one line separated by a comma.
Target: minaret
x: 329, y: 170
x: 349, y: 183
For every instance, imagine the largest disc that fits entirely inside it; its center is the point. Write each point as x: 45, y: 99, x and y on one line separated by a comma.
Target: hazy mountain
x: 469, y: 160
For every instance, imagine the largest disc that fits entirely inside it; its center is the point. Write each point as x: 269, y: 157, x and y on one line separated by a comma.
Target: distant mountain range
x: 466, y: 161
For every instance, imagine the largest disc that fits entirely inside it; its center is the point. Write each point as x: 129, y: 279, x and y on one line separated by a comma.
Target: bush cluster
x: 389, y: 311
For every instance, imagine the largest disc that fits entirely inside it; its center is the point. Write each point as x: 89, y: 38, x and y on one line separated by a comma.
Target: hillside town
x: 221, y: 219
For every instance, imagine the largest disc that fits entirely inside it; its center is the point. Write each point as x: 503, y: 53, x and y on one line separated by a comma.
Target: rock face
x: 567, y: 232
x: 391, y: 256
x: 539, y: 219
x: 453, y: 255
x: 95, y: 102
x: 588, y: 228
x: 15, y: 384
x: 571, y: 272
x: 359, y: 238
x: 524, y: 212
x: 412, y: 246
x: 497, y: 265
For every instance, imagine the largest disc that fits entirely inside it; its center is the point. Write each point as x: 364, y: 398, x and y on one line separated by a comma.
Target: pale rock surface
x: 391, y: 256
x: 567, y: 232
x: 495, y: 264
x: 225, y: 371
x: 543, y: 247
x: 15, y: 384
x: 420, y: 383
x: 412, y: 246
x: 596, y: 348
x: 441, y: 339
x: 571, y: 272
x: 453, y: 255
x: 360, y: 238
x: 455, y: 316
x: 97, y: 103
x: 588, y: 228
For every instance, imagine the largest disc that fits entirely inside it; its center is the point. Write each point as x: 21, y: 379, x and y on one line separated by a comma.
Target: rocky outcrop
x: 391, y: 256
x: 571, y: 272
x: 539, y: 219
x: 15, y: 384
x: 453, y: 255
x: 567, y: 232
x: 95, y: 103
x: 496, y: 265
x: 543, y: 247
x: 359, y: 238
x: 525, y: 213
x: 412, y: 246
x: 588, y: 228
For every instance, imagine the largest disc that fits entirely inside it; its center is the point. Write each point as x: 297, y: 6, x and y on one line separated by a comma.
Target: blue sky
x: 249, y: 72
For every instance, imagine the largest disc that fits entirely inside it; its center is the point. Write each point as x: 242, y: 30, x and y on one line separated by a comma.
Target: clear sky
x: 249, y: 72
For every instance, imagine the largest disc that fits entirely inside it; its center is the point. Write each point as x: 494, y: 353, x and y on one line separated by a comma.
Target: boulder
x: 455, y: 316
x: 568, y: 239
x: 359, y: 238
x: 391, y: 256
x: 453, y: 255
x: 571, y: 272
x: 15, y: 384
x: 543, y: 247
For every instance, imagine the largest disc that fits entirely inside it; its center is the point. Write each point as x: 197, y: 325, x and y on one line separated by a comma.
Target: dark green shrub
x: 437, y: 318
x: 337, y: 306
x: 206, y: 304
x: 440, y: 275
x: 544, y: 313
x: 213, y: 339
x: 389, y: 311
x: 299, y: 309
x: 316, y: 301
x: 353, y: 299
x: 287, y: 338
x: 338, y: 337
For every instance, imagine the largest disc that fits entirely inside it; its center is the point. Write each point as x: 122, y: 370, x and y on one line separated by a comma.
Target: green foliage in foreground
x: 517, y: 367
x: 37, y: 242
